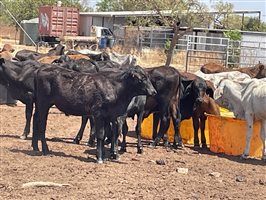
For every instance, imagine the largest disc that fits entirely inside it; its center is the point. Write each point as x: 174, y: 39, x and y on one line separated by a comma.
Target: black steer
x: 104, y: 96
x: 18, y: 77
x: 166, y: 103
x: 25, y: 54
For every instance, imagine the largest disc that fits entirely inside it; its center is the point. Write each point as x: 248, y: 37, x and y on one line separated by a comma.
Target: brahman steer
x: 104, y: 96
x: 258, y: 71
x: 247, y: 100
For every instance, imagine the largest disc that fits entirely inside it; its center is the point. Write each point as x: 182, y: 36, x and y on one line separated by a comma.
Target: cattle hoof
x: 115, y: 156
x: 153, y: 145
x: 45, y: 153
x: 140, y: 151
x: 244, y: 157
x: 76, y: 141
x: 204, y: 146
x: 196, y: 147
x: 263, y: 158
x: 123, y: 149
x: 91, y: 143
x: 166, y: 144
x: 179, y: 146
x: 100, y: 161
x: 23, y: 137
x: 36, y: 149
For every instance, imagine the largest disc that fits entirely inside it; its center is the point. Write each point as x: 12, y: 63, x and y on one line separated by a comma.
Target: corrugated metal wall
x: 253, y: 48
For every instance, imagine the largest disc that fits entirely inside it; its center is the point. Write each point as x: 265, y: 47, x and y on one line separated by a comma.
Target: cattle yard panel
x: 201, y: 48
x: 246, y: 53
x: 205, y: 48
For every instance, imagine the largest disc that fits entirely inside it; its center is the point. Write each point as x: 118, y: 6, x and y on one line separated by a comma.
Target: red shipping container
x: 57, y: 21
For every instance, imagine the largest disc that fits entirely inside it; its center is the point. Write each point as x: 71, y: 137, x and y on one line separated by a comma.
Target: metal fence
x: 202, y: 48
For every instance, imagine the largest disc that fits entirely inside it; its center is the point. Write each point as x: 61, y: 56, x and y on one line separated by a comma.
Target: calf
x: 196, y: 102
x: 190, y: 104
x: 199, y: 118
x: 247, y: 100
x: 103, y: 97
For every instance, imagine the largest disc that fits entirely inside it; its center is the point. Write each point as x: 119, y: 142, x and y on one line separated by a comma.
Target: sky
x: 254, y: 5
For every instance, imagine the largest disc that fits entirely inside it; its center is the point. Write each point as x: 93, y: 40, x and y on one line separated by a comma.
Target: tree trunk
x: 177, y: 34
x: 172, y: 46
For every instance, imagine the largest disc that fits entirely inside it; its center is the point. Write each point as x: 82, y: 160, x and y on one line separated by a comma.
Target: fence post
x: 187, y: 52
x: 226, y: 54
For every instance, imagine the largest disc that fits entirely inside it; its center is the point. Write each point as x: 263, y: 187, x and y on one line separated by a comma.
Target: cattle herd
x: 105, y: 92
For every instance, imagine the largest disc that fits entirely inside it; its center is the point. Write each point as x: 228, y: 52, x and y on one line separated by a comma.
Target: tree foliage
x: 173, y: 13
x: 28, y: 9
x: 119, y: 5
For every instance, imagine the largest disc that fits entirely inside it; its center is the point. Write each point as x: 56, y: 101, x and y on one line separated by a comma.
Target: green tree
x: 223, y: 11
x: 177, y: 13
x: 118, y: 5
x: 253, y: 24
x: 171, y: 13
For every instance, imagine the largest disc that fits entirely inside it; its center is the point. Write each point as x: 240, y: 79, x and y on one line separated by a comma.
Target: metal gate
x: 208, y: 47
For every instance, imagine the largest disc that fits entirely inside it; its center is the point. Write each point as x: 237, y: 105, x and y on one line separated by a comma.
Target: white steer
x: 247, y: 99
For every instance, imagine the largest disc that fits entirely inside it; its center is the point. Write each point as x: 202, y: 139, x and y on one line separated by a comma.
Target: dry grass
x: 146, y: 57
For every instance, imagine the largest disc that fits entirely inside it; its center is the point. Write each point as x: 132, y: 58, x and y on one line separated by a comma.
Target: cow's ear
x: 262, y: 67
x: 218, y: 93
x: 188, y: 90
x: 2, y: 60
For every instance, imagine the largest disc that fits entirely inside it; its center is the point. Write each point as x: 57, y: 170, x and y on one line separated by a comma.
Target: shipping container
x: 55, y: 21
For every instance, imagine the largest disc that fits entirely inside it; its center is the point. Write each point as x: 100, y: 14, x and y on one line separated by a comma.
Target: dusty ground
x: 133, y: 177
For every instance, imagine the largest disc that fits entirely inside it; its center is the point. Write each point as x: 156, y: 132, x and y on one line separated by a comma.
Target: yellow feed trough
x: 228, y: 135
x: 224, y: 134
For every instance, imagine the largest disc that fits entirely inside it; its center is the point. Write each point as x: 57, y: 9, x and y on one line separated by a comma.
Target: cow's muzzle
x: 197, y: 103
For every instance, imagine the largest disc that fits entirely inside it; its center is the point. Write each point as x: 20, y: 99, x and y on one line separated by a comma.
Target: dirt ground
x: 210, y: 176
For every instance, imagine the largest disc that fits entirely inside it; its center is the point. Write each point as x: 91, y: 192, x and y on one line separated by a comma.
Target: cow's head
x: 197, y: 89
x: 228, y: 95
x: 8, y: 48
x: 58, y: 50
x: 141, y: 82
x: 261, y: 71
